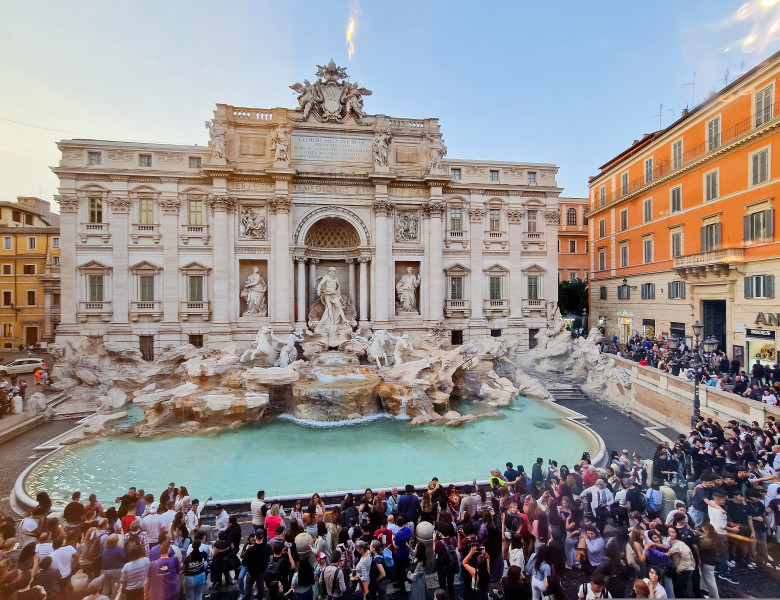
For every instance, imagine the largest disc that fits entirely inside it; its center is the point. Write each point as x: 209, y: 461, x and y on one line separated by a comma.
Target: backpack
x: 93, y: 551
x: 389, y: 564
x: 584, y: 591
x: 133, y: 541
x: 447, y: 560
x: 650, y: 500
x: 273, y: 566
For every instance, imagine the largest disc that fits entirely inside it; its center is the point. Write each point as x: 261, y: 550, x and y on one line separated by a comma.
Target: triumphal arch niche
x: 322, y: 216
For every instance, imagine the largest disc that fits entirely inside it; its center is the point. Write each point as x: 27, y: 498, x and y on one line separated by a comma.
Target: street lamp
x: 585, y: 321
x: 697, y: 331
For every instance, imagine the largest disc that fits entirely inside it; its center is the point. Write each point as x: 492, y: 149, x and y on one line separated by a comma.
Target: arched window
x: 571, y: 217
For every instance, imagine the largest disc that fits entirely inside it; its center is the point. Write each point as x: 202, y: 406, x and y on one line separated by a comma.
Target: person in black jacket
x: 256, y: 562
x: 409, y: 504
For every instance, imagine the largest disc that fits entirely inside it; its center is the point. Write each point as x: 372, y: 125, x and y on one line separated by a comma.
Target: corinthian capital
x: 222, y: 203
x: 170, y: 205
x: 119, y: 204
x: 281, y: 204
x: 434, y: 209
x: 382, y: 208
x: 68, y: 204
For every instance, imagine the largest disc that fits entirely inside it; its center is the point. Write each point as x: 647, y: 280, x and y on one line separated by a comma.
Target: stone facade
x: 163, y: 244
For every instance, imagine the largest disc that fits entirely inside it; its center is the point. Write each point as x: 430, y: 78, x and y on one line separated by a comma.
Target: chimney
x: 684, y: 112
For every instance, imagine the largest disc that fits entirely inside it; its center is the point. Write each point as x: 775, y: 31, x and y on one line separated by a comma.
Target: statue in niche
x: 406, y: 288
x: 438, y: 152
x: 403, y: 350
x: 380, y: 148
x: 253, y: 223
x: 254, y: 294
x: 333, y: 316
x: 288, y: 353
x: 329, y: 291
x: 216, y: 139
x: 406, y: 227
x: 280, y: 144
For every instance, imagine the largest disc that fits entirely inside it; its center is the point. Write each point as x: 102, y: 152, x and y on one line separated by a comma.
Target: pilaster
x: 221, y: 205
x: 434, y: 211
x: 280, y: 253
x: 69, y: 297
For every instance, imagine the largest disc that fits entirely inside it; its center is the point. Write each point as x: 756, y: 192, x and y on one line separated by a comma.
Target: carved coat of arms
x: 331, y: 97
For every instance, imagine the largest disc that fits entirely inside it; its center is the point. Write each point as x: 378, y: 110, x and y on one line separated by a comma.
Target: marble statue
x: 403, y: 350
x: 288, y: 353
x: 308, y: 94
x: 377, y: 345
x: 331, y: 97
x: 280, y: 144
x: 217, y: 139
x: 380, y: 148
x: 438, y: 152
x: 262, y: 346
x: 329, y: 291
x: 406, y: 288
x: 252, y: 223
x: 406, y: 227
x: 254, y: 294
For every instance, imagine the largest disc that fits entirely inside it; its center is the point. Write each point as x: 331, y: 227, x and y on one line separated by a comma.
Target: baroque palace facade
x: 168, y: 244
x: 683, y: 225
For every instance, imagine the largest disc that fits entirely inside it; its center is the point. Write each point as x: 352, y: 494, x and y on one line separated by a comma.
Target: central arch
x: 332, y: 214
x: 332, y: 232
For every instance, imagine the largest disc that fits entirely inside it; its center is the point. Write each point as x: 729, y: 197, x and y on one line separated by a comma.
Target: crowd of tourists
x: 520, y: 535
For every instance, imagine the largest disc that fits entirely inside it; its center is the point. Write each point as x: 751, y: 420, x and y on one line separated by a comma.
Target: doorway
x: 30, y: 336
x: 714, y: 315
x: 146, y: 343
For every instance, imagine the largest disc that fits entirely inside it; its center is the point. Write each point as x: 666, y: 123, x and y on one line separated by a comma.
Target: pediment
x: 145, y: 265
x: 534, y: 269
x: 93, y: 265
x: 456, y: 268
x: 195, y: 266
x: 496, y: 269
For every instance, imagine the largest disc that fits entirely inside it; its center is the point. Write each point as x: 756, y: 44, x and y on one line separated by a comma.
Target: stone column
x: 69, y: 297
x: 435, y: 209
x: 313, y: 262
x: 476, y: 277
x: 383, y: 269
x: 352, y: 297
x: 119, y: 329
x: 280, y: 208
x: 363, y: 308
x: 301, y: 296
x: 221, y: 205
x: 171, y: 277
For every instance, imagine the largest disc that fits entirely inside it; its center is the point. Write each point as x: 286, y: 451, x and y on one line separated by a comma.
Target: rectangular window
x: 648, y: 170
x: 711, y: 185
x: 602, y: 260
x: 713, y: 134
x: 456, y: 288
x: 602, y: 195
x: 28, y: 219
x: 195, y: 291
x: 8, y: 330
x: 196, y: 340
x: 572, y: 277
x: 455, y: 174
x: 675, y: 199
x: 624, y: 292
x: 572, y: 246
x: 55, y: 242
x: 602, y: 227
x: 95, y: 288
x: 95, y: 210
x: 28, y: 269
x: 532, y: 177
x: 7, y: 269
x: 7, y: 243
x: 146, y: 288
x: 760, y: 286
x: 676, y: 244
x: 534, y: 287
x: 456, y: 220
x: 8, y: 298
x: 495, y: 287
x: 195, y: 211
x: 676, y: 290
x: 759, y: 167
x: 146, y: 210
x: 532, y: 214
x: 32, y: 243
x: 495, y: 219
x: 493, y: 175
x: 31, y: 299
x: 624, y: 255
x: 624, y: 219
x: 16, y: 216
x: 647, y: 210
x: 93, y: 158
x: 763, y: 104
x: 647, y: 250
x: 647, y: 291
x: 758, y: 226
x: 603, y: 292
x: 677, y: 154
x: 571, y: 217
x: 624, y: 184
x: 55, y: 299
x: 710, y: 237
x: 194, y: 162
x: 144, y: 160
x: 56, y: 260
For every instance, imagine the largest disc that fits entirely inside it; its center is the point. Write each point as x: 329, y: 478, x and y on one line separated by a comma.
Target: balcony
x: 200, y: 232
x: 457, y: 236
x: 140, y: 309
x: 100, y: 309
x: 717, y: 262
x: 533, y: 238
x: 99, y: 230
x: 496, y: 308
x: 191, y: 308
x: 530, y: 307
x: 457, y: 308
x: 495, y: 237
x: 140, y: 230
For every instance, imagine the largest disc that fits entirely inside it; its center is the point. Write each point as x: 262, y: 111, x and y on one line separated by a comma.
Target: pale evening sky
x: 567, y: 82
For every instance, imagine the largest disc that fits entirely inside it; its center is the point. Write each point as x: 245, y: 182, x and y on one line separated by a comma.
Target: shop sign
x: 761, y: 333
x: 768, y: 319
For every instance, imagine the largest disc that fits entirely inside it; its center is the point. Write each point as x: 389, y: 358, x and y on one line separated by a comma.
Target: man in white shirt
x: 65, y: 558
x: 601, y: 499
x: 221, y: 518
x: 31, y: 527
x: 166, y: 518
x: 258, y: 518
x: 192, y: 513
x: 719, y: 522
x: 152, y: 524
x: 597, y: 588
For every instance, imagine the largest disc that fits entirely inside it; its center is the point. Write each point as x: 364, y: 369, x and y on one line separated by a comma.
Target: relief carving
x: 475, y: 171
x: 170, y: 204
x: 253, y: 223
x: 119, y: 204
x: 331, y: 97
x: 170, y: 157
x: 120, y: 155
x: 407, y: 226
x: 515, y: 215
x: 553, y: 216
x: 73, y: 154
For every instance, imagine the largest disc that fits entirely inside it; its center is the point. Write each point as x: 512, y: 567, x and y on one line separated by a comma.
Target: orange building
x: 573, y: 244
x: 682, y: 224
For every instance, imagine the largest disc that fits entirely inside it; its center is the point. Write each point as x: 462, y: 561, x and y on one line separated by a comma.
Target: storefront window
x: 760, y: 347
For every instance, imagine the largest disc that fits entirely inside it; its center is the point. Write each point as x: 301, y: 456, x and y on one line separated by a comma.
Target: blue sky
x: 567, y: 82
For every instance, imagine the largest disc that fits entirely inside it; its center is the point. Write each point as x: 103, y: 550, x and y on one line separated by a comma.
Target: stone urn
x: 424, y: 533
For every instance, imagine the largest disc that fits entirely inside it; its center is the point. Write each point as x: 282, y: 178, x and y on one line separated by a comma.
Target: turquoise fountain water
x: 287, y: 457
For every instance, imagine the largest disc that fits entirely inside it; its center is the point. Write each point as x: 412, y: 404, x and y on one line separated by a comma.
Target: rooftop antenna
x: 726, y: 77
x: 660, y: 112
x: 693, y: 87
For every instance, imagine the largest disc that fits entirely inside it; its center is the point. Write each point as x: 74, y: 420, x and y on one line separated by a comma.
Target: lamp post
x: 697, y: 331
x: 585, y: 322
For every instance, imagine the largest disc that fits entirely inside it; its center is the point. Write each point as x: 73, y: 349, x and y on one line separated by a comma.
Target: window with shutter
x: 759, y: 166
x: 763, y: 105
x: 713, y: 134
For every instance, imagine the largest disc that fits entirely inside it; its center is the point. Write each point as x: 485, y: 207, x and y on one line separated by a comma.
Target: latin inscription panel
x: 335, y: 149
